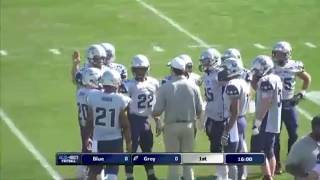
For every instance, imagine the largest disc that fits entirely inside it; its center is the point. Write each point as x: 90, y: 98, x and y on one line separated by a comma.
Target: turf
x: 36, y: 91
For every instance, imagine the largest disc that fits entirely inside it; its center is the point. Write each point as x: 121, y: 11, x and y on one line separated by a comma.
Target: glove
x: 225, y: 138
x: 297, y: 98
x: 256, y: 127
x: 255, y: 131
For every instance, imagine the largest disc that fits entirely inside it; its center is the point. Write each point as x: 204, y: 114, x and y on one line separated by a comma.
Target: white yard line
x: 173, y: 23
x: 157, y: 48
x: 314, y: 96
x: 55, y: 51
x: 259, y: 46
x: 195, y: 38
x: 201, y: 46
x: 310, y: 45
x: 3, y: 52
x: 304, y: 113
x: 29, y: 146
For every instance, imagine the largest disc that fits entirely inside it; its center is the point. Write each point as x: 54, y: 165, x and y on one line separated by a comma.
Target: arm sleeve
x: 267, y: 88
x: 233, y: 91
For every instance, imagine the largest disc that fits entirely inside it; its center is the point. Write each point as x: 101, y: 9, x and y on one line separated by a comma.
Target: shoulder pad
x: 266, y: 86
x: 299, y: 66
x: 232, y: 90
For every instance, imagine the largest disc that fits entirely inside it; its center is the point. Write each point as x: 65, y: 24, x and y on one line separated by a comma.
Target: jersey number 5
x: 102, y: 115
x: 209, y: 94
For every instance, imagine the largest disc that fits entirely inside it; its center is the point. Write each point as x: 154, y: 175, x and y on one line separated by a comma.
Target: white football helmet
x: 188, y: 62
x: 110, y: 52
x: 91, y: 77
x: 231, y: 68
x: 111, y: 78
x: 262, y: 65
x: 281, y: 52
x: 96, y: 55
x: 140, y: 66
x: 232, y: 53
x: 209, y: 59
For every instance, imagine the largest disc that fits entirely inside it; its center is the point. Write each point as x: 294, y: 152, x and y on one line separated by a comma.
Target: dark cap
x: 315, y: 122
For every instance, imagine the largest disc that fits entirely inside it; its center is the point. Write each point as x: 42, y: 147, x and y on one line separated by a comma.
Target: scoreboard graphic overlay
x: 159, y: 158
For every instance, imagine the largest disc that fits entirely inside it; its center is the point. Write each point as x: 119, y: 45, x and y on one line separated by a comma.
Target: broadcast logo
x: 69, y: 159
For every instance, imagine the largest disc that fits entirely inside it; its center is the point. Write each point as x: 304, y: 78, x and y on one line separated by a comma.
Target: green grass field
x: 36, y: 91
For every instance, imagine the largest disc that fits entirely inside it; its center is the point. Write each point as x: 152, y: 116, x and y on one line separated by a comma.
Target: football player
x: 268, y: 112
x: 235, y: 53
x: 210, y: 60
x: 236, y: 97
x: 90, y: 81
x: 242, y: 123
x: 142, y: 90
x: 110, y: 58
x: 108, y: 122
x: 288, y: 70
x: 95, y: 57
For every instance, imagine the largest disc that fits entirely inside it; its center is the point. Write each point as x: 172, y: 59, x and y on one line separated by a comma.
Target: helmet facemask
x: 280, y: 57
x: 96, y: 61
x: 189, y: 67
x: 208, y: 64
x: 140, y: 73
x: 109, y: 59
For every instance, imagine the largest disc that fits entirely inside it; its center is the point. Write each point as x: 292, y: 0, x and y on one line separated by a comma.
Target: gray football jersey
x: 271, y: 85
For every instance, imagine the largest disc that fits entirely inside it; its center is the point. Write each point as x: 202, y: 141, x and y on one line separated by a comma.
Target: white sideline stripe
x: 3, y: 52
x: 173, y: 23
x: 310, y: 45
x: 304, y: 113
x: 37, y: 155
x: 314, y: 96
x: 259, y: 46
x: 195, y: 38
x: 157, y: 48
x: 55, y: 51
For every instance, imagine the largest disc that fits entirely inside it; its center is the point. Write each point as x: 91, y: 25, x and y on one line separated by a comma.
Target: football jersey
x: 288, y: 73
x: 143, y: 96
x: 213, y: 96
x: 106, y: 110
x: 82, y: 104
x: 271, y: 85
x: 239, y: 89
